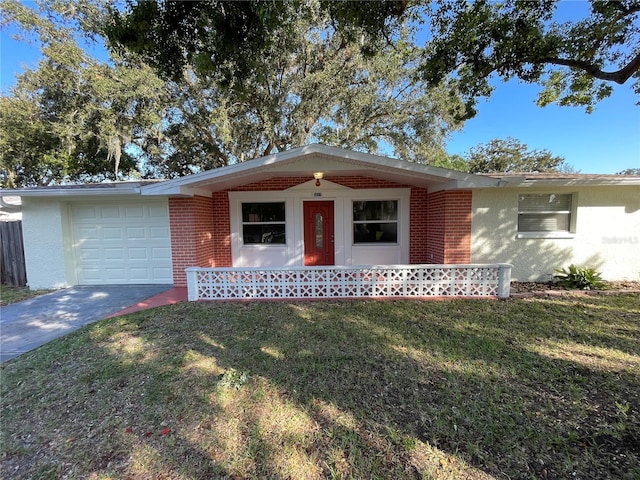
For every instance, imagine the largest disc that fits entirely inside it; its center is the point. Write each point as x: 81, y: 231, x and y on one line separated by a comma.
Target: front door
x: 318, y: 233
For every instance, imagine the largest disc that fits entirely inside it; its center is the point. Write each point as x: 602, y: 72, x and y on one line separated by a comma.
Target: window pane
x: 318, y: 230
x: 263, y: 212
x: 375, y: 232
x: 543, y: 222
x: 375, y: 210
x: 544, y: 202
x: 266, y: 233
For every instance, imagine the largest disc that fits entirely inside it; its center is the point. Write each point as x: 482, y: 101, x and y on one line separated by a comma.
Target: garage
x: 121, y: 243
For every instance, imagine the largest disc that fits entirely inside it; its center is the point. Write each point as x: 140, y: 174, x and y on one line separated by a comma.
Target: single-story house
x: 319, y: 208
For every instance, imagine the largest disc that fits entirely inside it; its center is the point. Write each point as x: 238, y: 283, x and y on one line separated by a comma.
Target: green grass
x: 10, y: 294
x: 531, y: 388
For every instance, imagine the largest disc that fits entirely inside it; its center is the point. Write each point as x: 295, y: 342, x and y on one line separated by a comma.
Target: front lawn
x: 530, y: 388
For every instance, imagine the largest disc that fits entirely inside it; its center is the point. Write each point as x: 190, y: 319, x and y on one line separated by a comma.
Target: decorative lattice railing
x: 349, y: 282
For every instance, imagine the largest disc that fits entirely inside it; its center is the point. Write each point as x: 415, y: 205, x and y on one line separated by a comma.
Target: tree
x: 511, y: 155
x: 227, y: 37
x: 471, y: 41
x: 73, y: 118
x: 311, y: 85
x: 514, y: 39
x: 630, y: 171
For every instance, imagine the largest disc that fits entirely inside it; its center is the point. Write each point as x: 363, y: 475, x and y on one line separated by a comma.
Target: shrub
x: 579, y: 277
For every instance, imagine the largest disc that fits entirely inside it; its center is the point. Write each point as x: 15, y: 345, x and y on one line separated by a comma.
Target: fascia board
x: 173, y: 187
x: 375, y: 162
x: 71, y: 192
x: 587, y: 182
x: 414, y: 169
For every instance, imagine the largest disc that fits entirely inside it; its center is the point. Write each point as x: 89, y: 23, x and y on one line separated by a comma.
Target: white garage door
x: 117, y: 243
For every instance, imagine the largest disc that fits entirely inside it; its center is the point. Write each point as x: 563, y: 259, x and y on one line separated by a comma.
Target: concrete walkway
x: 34, y: 322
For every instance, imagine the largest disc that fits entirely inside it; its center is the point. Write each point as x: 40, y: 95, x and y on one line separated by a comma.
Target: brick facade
x: 440, y: 224
x: 282, y: 183
x: 418, y: 226
x: 221, y: 230
x: 449, y: 227
x: 191, y: 223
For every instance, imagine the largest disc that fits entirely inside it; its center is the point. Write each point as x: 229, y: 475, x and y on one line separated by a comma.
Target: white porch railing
x: 348, y: 282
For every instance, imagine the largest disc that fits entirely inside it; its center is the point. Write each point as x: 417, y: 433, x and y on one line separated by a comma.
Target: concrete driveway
x: 29, y: 324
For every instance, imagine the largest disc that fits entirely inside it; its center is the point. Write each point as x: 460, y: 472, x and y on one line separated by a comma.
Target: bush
x: 579, y: 277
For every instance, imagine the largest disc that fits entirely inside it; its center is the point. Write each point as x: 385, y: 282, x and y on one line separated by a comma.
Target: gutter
x: 132, y: 189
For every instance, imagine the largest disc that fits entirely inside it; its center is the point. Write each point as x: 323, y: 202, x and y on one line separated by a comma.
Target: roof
x: 332, y: 161
x: 111, y: 188
x: 524, y: 179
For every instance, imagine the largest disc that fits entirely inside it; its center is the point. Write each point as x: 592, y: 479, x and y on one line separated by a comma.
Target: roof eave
x: 414, y: 173
x: 71, y: 192
x: 587, y: 182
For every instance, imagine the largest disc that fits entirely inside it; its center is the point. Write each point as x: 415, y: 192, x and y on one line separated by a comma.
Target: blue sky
x: 605, y: 141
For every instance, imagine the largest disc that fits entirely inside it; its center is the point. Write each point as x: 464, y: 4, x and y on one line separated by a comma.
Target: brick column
x: 221, y: 230
x: 449, y: 227
x: 191, y: 221
x: 418, y: 226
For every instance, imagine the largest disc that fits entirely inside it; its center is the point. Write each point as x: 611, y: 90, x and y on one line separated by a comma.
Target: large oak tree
x: 311, y: 85
x: 575, y: 61
x: 73, y: 117
x: 84, y: 118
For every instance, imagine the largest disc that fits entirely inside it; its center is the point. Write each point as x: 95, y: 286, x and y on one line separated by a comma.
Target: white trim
x: 521, y: 182
x: 292, y: 252
x: 572, y: 212
x: 107, y: 189
x: 263, y: 167
x: 560, y: 234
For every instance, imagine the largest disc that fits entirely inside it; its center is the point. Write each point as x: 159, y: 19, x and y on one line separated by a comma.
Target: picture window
x: 375, y: 221
x: 263, y: 223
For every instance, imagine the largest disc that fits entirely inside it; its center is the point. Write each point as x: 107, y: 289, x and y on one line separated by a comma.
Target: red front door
x: 318, y: 233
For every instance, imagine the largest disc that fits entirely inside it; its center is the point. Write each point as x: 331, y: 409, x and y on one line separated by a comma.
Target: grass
x: 10, y: 294
x: 530, y: 388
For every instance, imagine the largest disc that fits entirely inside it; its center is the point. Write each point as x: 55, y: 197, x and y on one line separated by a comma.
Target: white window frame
x: 292, y: 253
x: 569, y: 233
x: 396, y: 221
x: 274, y: 222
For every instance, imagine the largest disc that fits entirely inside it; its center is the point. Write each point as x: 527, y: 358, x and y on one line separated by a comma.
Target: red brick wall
x: 440, y: 224
x: 191, y: 221
x: 418, y: 226
x: 436, y: 224
x: 282, y: 183
x: 221, y: 230
x: 449, y: 227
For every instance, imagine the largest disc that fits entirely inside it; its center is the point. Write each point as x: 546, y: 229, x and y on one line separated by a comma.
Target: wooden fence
x: 12, y: 267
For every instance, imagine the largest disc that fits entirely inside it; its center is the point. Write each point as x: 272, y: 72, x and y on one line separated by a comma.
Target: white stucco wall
x: 606, y: 237
x: 42, y: 228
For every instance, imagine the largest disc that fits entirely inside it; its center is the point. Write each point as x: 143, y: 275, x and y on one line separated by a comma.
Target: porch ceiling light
x: 318, y: 176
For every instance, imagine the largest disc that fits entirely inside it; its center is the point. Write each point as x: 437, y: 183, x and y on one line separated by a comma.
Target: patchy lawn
x: 17, y: 294
x: 531, y: 388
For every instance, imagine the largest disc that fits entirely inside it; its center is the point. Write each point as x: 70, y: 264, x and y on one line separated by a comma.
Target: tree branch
x: 620, y: 76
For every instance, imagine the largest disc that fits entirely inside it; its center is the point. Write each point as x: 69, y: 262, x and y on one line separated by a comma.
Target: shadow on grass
x: 517, y: 389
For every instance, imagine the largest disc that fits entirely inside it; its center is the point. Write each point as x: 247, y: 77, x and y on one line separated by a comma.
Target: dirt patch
x: 553, y: 288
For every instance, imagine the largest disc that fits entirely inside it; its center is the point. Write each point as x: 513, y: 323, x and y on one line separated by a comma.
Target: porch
x: 379, y: 281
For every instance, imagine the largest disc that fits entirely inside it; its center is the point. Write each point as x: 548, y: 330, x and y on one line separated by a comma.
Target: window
x: 548, y: 213
x: 375, y: 221
x: 263, y: 223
